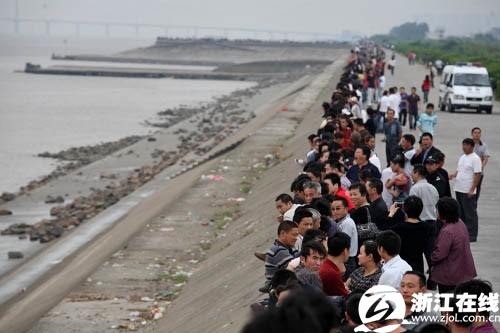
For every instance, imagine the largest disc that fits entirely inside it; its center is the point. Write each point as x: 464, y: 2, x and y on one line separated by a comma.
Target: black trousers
x: 429, y: 247
x: 468, y: 213
x: 478, y: 188
x: 402, y: 116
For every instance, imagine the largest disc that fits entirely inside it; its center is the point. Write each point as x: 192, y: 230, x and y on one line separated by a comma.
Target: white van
x: 465, y: 86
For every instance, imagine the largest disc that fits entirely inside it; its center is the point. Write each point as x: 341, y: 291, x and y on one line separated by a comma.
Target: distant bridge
x: 190, y: 31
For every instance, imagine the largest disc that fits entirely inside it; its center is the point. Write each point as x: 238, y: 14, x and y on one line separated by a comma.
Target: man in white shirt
x: 384, y: 102
x: 387, y: 174
x: 346, y: 225
x: 467, y: 176
x: 394, y: 101
x: 381, y: 86
x: 355, y: 109
x: 389, y: 245
x: 407, y: 145
x: 370, y: 142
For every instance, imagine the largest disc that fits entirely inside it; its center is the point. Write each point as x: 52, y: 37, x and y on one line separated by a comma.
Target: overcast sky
x: 366, y: 17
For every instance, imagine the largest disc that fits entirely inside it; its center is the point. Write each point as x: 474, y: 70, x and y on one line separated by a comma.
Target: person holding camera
x: 404, y: 220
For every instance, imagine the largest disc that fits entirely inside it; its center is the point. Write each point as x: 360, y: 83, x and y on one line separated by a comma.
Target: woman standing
x: 452, y: 261
x: 369, y: 273
x: 426, y: 87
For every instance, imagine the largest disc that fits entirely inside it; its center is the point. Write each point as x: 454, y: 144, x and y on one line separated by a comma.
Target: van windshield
x: 476, y: 80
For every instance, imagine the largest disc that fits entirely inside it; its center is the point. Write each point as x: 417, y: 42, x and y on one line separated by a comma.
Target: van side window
x: 450, y: 81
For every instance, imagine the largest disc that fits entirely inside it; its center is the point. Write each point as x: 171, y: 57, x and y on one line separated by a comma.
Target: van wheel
x: 489, y: 110
x: 450, y: 106
x: 478, y: 110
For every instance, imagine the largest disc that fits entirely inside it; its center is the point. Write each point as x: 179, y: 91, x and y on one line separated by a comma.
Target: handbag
x: 367, y: 230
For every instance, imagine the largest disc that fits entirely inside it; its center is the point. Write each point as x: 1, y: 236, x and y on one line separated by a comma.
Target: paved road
x: 451, y: 130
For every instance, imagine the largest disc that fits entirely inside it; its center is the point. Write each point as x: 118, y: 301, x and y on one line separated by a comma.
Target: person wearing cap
x: 437, y: 176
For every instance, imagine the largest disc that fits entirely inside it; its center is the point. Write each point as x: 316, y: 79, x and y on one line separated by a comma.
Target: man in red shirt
x: 335, y: 189
x: 333, y: 267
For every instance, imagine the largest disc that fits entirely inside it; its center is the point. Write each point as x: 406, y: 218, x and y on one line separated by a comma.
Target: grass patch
x: 179, y: 278
x: 223, y: 217
x: 245, y: 187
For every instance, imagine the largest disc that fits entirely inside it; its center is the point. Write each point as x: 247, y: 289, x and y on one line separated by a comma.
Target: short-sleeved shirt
x: 413, y: 102
x: 332, y: 279
x: 481, y: 150
x: 468, y: 165
x: 392, y: 272
x: 359, y: 283
x: 404, y: 101
x: 348, y: 226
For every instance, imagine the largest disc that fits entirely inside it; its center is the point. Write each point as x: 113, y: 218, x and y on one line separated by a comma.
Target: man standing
x: 406, y: 144
x: 467, y: 176
x: 429, y: 196
x: 362, y: 157
x: 285, y: 207
x: 333, y: 267
x: 378, y: 207
x: 414, y: 282
x: 311, y: 190
x: 437, y: 176
x: 346, y: 225
x: 481, y: 150
x: 426, y: 192
x: 393, y: 132
x: 394, y: 101
x: 382, y: 109
x: 370, y: 143
x: 312, y: 256
x: 304, y: 220
x: 413, y: 102
x: 389, y: 246
x: 403, y: 106
x: 425, y: 150
x: 334, y: 188
x: 282, y: 250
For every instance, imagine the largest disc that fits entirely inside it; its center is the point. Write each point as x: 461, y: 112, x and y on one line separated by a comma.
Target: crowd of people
x: 348, y: 223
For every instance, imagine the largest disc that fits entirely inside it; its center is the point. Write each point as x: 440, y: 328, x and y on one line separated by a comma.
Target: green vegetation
x: 408, y: 32
x: 454, y: 50
x: 221, y: 218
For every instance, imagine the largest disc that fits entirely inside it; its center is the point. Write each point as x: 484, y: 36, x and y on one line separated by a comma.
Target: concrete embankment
x: 196, y: 227
x: 218, y: 295
x: 74, y: 268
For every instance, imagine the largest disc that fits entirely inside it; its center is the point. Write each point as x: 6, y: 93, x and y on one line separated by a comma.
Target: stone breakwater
x: 75, y: 158
x: 210, y: 125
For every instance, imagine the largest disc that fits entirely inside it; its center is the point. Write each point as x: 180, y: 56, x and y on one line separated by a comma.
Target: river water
x: 41, y: 113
